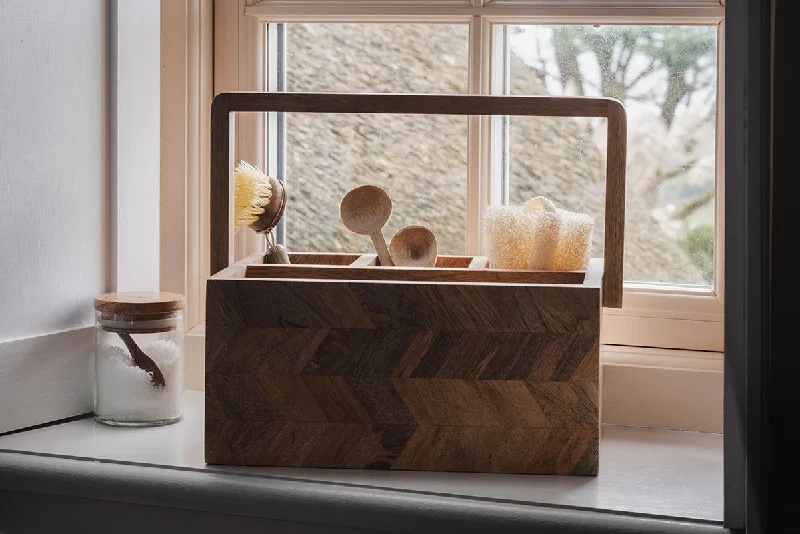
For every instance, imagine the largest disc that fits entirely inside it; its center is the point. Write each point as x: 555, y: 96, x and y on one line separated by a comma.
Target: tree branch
x: 680, y: 170
x: 654, y: 64
x: 693, y: 205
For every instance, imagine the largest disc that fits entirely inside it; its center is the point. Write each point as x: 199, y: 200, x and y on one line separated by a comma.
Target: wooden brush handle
x: 276, y: 254
x: 539, y: 106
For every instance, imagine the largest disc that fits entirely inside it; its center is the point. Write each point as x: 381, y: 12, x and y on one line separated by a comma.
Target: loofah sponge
x: 547, y: 223
x: 574, y: 242
x: 538, y: 236
x: 510, y: 234
x: 252, y: 193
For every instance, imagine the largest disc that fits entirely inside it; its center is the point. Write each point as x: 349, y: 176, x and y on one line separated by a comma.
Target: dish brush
x: 259, y: 203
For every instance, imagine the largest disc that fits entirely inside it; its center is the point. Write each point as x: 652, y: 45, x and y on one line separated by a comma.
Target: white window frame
x: 673, y: 317
x: 669, y: 318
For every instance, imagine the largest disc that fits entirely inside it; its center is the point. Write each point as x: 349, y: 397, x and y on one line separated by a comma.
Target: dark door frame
x: 747, y: 202
x: 780, y: 421
x: 762, y: 232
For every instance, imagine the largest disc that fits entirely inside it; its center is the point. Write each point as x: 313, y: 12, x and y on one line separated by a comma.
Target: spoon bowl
x: 366, y: 209
x: 414, y: 246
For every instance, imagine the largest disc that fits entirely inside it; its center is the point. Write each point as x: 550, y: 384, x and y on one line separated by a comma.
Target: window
x: 661, y: 57
x: 656, y: 313
x: 420, y: 160
x: 666, y: 77
x: 662, y: 63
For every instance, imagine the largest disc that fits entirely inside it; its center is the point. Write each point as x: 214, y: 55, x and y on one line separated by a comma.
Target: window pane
x: 666, y: 76
x: 381, y: 58
x: 420, y: 160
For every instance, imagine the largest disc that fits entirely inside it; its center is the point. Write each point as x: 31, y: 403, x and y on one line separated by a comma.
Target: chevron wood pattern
x: 481, y: 377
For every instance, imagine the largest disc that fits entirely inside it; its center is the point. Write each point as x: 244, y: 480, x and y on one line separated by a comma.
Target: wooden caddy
x: 336, y: 362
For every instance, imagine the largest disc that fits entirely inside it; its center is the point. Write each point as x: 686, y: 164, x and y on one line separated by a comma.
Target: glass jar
x: 138, y: 363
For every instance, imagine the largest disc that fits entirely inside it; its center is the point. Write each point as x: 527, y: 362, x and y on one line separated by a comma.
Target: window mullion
x: 271, y: 122
x: 275, y: 123
x: 719, y: 186
x: 506, y: 133
x: 476, y: 151
x: 500, y: 80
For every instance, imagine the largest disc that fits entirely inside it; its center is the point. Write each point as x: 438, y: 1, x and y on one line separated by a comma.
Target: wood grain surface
x: 342, y: 266
x: 324, y: 258
x: 549, y: 106
x: 414, y: 274
x: 139, y: 303
x: 397, y: 375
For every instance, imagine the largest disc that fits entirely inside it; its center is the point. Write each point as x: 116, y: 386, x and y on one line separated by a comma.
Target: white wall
x: 53, y: 164
x: 79, y: 188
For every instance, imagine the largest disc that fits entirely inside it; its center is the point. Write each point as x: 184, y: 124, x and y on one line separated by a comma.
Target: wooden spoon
x: 414, y: 246
x: 142, y: 360
x: 365, y: 210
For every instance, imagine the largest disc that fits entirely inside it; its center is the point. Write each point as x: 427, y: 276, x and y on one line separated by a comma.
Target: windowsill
x: 645, y: 473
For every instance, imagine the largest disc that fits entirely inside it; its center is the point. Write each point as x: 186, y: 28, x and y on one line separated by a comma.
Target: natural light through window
x: 667, y: 78
x: 666, y: 75
x: 421, y: 161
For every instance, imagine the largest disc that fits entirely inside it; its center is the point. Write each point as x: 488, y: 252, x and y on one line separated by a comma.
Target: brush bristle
x: 252, y: 193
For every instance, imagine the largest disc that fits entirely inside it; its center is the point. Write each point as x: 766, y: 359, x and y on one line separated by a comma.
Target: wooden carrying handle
x: 537, y: 106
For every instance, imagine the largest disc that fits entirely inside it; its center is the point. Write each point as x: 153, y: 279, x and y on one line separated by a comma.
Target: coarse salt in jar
x: 138, y: 358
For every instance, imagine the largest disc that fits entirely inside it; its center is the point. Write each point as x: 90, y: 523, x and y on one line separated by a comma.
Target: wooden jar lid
x: 139, y: 303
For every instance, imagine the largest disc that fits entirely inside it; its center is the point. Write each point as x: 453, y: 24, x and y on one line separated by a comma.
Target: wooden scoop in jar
x: 119, y: 310
x: 365, y: 210
x: 142, y: 360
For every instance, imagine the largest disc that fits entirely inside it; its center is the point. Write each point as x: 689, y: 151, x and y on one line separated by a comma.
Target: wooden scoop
x: 142, y: 360
x: 365, y: 210
x: 414, y: 246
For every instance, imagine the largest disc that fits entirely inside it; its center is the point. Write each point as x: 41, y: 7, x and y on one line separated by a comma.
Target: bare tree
x: 628, y: 59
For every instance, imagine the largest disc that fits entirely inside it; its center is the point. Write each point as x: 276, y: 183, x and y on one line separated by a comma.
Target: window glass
x: 421, y: 161
x: 667, y: 78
